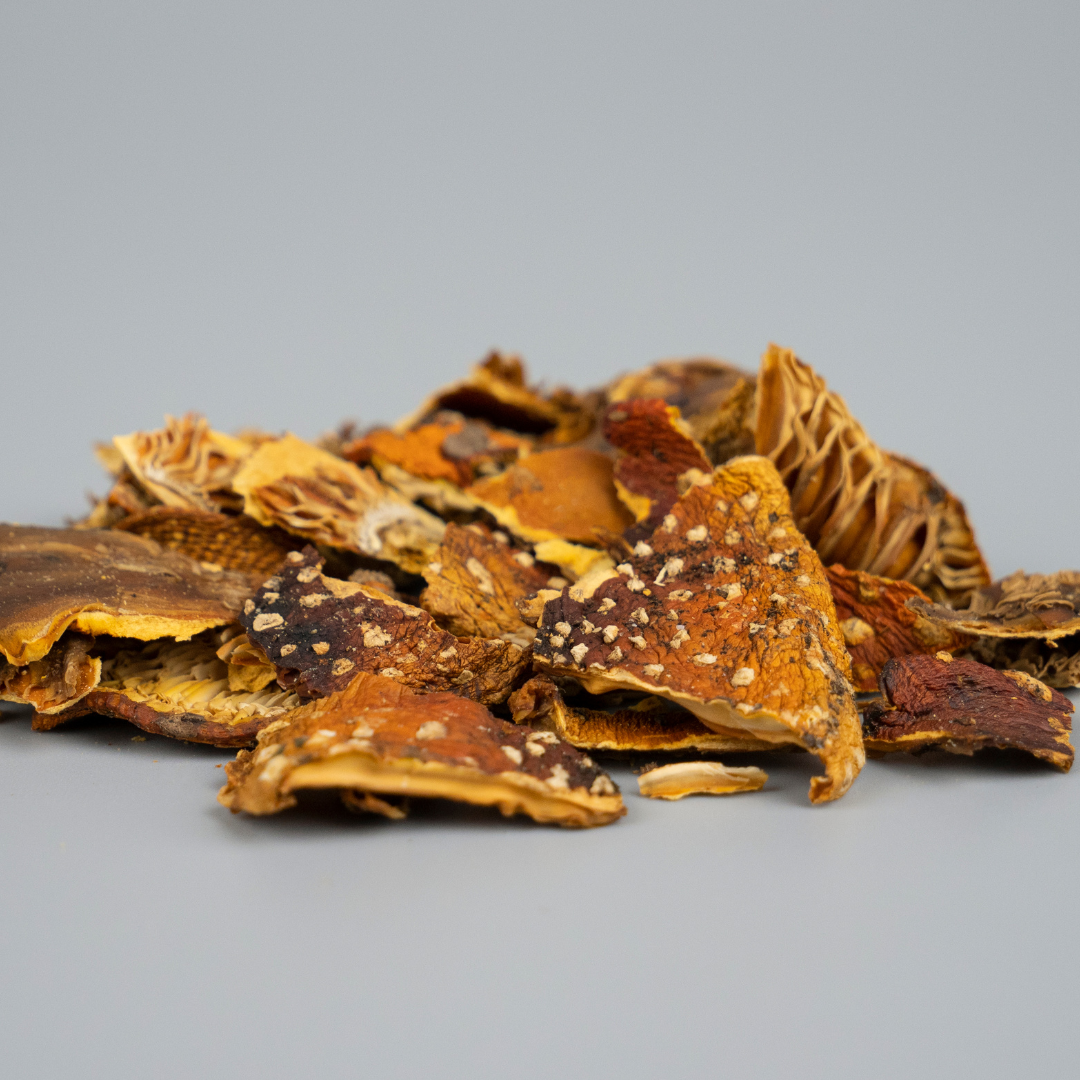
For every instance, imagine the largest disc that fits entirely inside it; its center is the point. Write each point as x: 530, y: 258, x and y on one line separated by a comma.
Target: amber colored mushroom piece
x: 567, y: 493
x: 945, y: 703
x: 181, y: 690
x: 877, y: 625
x: 377, y: 737
x: 857, y: 504
x: 727, y: 611
x: 682, y: 778
x: 104, y: 582
x: 313, y: 494
x: 321, y: 631
x: 65, y: 676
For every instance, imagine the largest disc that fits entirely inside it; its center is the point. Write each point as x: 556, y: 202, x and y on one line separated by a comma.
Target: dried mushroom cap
x: 653, y: 725
x: 495, y: 391
x: 877, y: 625
x: 326, y: 631
x: 1056, y: 663
x: 179, y: 689
x: 1043, y: 606
x: 683, y: 778
x: 958, y: 705
x: 450, y: 448
x: 657, y: 449
x: 474, y: 582
x: 858, y: 505
x: 562, y: 494
x: 729, y: 614
x: 65, y: 676
x: 231, y: 541
x: 375, y: 736
x: 313, y: 494
x: 104, y: 582
x: 714, y: 398
x: 185, y: 464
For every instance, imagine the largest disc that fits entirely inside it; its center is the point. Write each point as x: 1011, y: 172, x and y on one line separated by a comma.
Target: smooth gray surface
x: 285, y: 214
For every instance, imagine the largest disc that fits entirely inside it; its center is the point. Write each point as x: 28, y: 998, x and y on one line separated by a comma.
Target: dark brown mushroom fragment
x: 939, y: 702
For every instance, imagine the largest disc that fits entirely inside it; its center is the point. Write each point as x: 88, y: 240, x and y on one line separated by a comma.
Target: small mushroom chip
x: 878, y: 626
x: 657, y: 449
x: 311, y: 493
x: 474, y: 581
x: 65, y: 676
x: 178, y: 689
x: 651, y: 725
x: 377, y: 737
x: 104, y: 582
x: 567, y: 493
x: 682, y: 778
x: 185, y: 464
x: 726, y: 610
x: 944, y: 703
x: 496, y: 392
x: 231, y: 541
x: 858, y: 505
x: 715, y: 399
x: 322, y: 632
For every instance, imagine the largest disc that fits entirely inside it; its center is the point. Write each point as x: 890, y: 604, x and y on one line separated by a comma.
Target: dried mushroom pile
x: 691, y: 563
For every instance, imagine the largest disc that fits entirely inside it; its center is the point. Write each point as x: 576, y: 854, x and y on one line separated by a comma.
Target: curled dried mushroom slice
x: 726, y: 610
x: 1056, y: 663
x: 657, y: 448
x: 182, y: 690
x: 877, y: 625
x: 858, y: 505
x: 185, y: 464
x: 714, y: 398
x: 652, y: 724
x: 940, y: 702
x: 104, y: 582
x: 496, y: 392
x: 566, y: 493
x: 377, y: 737
x: 321, y: 632
x: 682, y: 778
x: 313, y: 494
x: 474, y: 582
x: 231, y: 541
x: 65, y: 676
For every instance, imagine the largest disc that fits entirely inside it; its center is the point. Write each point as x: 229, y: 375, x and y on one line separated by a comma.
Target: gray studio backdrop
x: 290, y: 214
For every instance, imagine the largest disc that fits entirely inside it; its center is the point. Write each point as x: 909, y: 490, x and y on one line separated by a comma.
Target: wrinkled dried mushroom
x: 858, y: 505
x: 726, y: 610
x: 377, y: 737
x: 321, y: 632
x: 682, y: 778
x: 943, y: 703
x: 65, y: 676
x: 104, y: 582
x: 878, y: 626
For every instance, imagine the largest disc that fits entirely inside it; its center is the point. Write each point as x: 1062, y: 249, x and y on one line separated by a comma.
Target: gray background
x: 287, y: 214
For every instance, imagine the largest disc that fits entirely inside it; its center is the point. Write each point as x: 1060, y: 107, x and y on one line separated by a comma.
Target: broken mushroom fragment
x: 179, y: 689
x: 727, y: 611
x: 377, y: 737
x: 321, y: 632
x: 563, y: 494
x: 657, y: 448
x: 858, y: 505
x: 65, y: 676
x: 474, y: 581
x: 878, y: 626
x: 104, y: 582
x: 652, y: 724
x: 682, y: 778
x: 185, y: 464
x: 716, y: 400
x: 939, y: 702
x: 231, y: 541
x: 311, y: 493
